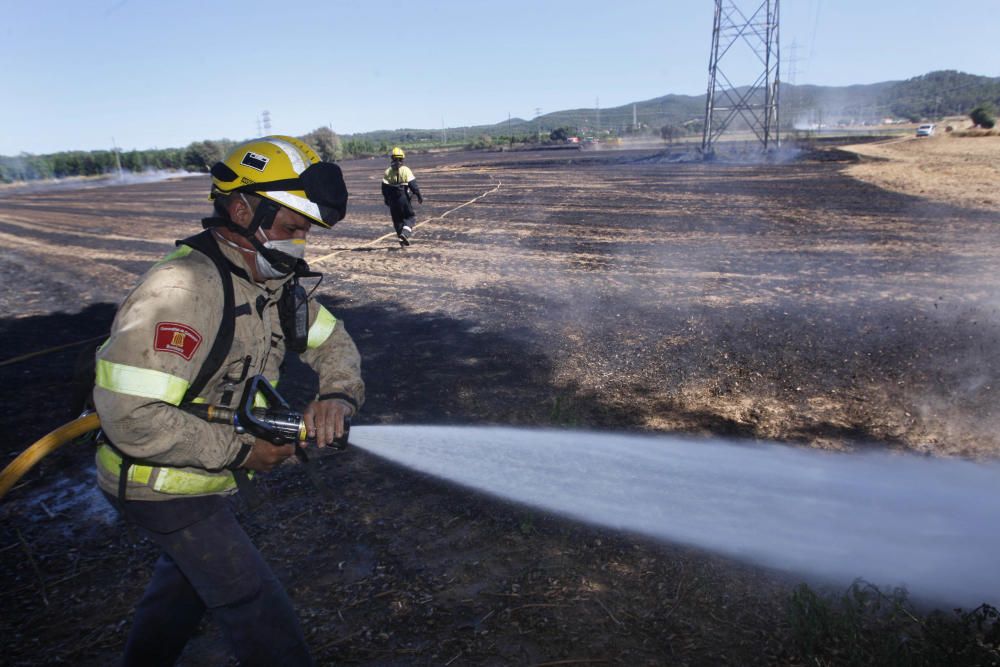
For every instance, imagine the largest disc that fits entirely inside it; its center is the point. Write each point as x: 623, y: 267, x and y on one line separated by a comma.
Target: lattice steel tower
x: 753, y: 39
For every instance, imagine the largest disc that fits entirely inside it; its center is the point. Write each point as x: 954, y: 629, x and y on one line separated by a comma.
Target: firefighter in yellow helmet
x: 398, y: 185
x: 223, y: 307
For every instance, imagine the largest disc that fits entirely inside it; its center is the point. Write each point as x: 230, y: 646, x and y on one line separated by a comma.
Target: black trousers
x: 209, y: 564
x: 402, y: 213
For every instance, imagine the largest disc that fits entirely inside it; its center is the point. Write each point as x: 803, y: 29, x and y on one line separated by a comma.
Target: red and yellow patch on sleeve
x: 179, y: 339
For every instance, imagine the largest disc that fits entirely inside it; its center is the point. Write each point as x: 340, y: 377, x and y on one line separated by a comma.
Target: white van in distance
x: 925, y: 130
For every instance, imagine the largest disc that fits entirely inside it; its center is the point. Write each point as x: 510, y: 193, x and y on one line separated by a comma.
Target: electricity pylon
x: 756, y: 104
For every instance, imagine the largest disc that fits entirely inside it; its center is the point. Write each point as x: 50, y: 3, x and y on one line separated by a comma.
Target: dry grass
x: 959, y: 168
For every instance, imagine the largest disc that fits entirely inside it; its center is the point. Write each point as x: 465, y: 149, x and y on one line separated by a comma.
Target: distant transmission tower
x: 265, y: 122
x: 756, y: 104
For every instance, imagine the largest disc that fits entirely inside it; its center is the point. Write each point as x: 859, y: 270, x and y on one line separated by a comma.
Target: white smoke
x: 91, y: 182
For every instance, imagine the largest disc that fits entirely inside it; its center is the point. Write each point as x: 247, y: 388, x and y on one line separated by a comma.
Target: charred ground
x: 618, y: 291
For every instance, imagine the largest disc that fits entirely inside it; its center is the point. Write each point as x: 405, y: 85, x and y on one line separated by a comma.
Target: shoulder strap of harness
x: 205, y: 243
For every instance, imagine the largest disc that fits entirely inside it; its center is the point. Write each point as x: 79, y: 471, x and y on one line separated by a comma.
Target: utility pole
x: 597, y: 105
x: 538, y: 122
x: 792, y: 100
x: 757, y: 105
x: 444, y: 132
x: 635, y: 120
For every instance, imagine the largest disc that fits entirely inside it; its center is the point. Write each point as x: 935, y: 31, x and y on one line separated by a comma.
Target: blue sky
x: 162, y: 73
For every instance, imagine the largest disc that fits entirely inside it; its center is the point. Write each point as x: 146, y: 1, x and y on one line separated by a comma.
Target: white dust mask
x: 294, y: 249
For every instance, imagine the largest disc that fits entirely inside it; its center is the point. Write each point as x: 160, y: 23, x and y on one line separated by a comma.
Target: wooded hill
x: 927, y: 97
x: 930, y: 96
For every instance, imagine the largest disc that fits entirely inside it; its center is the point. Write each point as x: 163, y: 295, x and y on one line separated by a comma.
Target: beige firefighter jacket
x: 160, y: 338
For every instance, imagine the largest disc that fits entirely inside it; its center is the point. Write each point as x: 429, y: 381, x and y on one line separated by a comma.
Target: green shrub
x: 984, y: 116
x: 482, y: 141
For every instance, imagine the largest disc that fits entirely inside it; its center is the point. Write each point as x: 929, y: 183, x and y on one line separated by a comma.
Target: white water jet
x: 932, y: 525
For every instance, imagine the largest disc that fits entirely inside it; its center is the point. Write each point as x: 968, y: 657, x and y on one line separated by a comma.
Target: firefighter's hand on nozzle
x: 264, y: 455
x: 325, y: 420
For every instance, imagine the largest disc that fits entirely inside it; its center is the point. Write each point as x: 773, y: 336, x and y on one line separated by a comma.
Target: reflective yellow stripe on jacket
x: 321, y: 328
x: 143, y: 382
x: 160, y: 386
x: 181, y: 251
x: 173, y: 481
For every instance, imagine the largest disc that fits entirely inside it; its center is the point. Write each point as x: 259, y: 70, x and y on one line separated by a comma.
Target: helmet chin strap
x: 263, y: 217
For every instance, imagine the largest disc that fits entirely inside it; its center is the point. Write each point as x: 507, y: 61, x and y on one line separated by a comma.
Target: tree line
x: 199, y: 156
x: 27, y: 167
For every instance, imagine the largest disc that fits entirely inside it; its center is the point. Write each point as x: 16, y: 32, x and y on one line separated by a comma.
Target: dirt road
x: 613, y: 290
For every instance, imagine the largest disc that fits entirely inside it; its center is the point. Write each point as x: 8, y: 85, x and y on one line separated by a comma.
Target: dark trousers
x: 209, y: 563
x: 402, y: 213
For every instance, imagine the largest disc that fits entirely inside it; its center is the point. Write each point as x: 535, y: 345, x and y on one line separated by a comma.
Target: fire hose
x: 277, y: 423
x: 30, y: 457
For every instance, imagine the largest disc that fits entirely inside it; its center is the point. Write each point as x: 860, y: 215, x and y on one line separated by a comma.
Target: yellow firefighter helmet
x: 286, y: 171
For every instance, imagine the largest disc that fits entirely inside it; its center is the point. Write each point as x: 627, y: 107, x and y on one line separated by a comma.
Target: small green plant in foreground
x: 866, y: 626
x: 563, y: 412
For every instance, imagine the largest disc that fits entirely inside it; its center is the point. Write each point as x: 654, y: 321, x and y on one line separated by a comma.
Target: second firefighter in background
x: 397, y: 185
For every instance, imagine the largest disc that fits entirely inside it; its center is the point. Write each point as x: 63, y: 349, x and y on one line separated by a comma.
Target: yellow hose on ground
x: 30, y: 457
